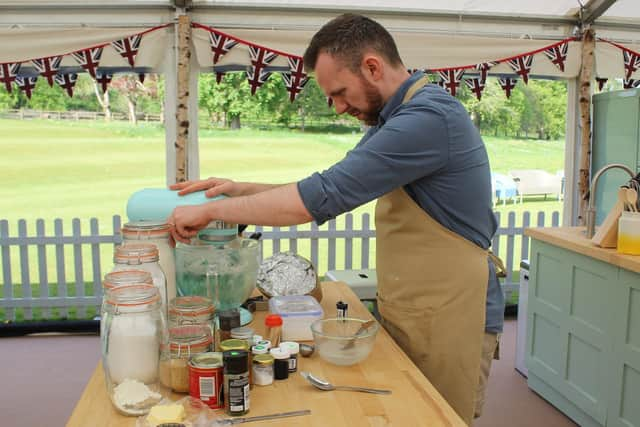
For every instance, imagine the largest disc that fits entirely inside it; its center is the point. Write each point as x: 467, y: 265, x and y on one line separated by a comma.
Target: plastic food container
x: 629, y: 233
x: 298, y: 312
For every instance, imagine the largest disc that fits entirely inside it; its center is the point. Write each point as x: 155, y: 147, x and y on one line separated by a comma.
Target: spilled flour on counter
x: 134, y: 397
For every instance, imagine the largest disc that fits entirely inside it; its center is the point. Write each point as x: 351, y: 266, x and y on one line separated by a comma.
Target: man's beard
x: 374, y: 103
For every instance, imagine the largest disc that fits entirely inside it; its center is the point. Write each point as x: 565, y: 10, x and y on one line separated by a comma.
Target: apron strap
x: 414, y: 88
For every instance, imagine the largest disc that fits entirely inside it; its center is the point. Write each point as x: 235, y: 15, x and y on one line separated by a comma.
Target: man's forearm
x: 275, y: 205
x: 250, y: 188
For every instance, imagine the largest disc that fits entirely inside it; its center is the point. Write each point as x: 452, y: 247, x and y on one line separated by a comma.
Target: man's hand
x: 213, y: 186
x: 186, y: 221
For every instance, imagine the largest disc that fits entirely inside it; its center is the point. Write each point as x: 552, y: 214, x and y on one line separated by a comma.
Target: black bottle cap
x: 235, y: 361
x: 229, y: 319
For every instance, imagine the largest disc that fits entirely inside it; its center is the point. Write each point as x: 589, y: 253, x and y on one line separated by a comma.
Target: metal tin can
x: 206, y: 378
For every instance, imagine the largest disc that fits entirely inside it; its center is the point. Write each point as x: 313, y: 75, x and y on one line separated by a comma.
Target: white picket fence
x: 58, y: 275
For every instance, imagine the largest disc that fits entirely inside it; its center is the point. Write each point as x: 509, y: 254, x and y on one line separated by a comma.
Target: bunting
x: 507, y: 85
x: 26, y: 84
x: 89, y: 59
x: 522, y: 66
x: 450, y: 80
x: 558, y: 55
x: 630, y: 83
x: 219, y: 76
x: 128, y: 48
x: 8, y: 73
x: 476, y: 86
x: 296, y: 79
x: 104, y: 80
x: 329, y: 101
x: 67, y: 82
x: 48, y: 67
x: 631, y: 62
x: 483, y: 69
x: 601, y: 82
x: 221, y: 44
x: 141, y: 77
x: 260, y: 59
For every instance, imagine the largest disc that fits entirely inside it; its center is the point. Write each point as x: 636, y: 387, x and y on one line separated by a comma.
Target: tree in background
x: 135, y: 93
x: 225, y: 101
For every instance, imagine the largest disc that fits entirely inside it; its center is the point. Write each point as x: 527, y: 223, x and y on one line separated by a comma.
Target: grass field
x: 88, y: 169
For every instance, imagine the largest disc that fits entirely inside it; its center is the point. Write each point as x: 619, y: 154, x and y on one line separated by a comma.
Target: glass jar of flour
x: 133, y: 336
x: 142, y: 256
x: 158, y: 234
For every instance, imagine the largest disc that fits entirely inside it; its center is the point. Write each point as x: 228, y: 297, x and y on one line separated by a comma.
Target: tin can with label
x: 206, y: 378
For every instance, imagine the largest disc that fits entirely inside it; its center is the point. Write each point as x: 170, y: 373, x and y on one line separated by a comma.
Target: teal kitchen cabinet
x: 583, y: 338
x: 616, y: 139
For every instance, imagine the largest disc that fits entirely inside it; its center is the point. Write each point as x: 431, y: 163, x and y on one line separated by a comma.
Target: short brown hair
x: 347, y: 38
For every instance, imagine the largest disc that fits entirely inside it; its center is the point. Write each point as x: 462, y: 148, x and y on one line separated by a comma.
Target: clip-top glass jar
x: 158, y: 234
x: 126, y: 277
x: 142, y: 256
x: 192, y: 310
x: 184, y: 342
x: 133, y: 337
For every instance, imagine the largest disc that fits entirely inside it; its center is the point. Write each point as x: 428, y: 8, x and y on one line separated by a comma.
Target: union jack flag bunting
x: 26, y: 84
x: 630, y: 83
x: 67, y: 82
x: 48, y: 67
x: 483, y: 69
x: 601, y: 82
x: 8, y: 73
x: 128, y: 48
x: 296, y: 79
x: 141, y: 77
x: 219, y: 76
x: 89, y: 59
x: 450, y: 80
x: 558, y: 55
x: 220, y: 45
x: 476, y: 86
x: 507, y: 85
x: 104, y: 80
x: 329, y: 101
x: 631, y: 62
x: 522, y: 66
x: 260, y: 58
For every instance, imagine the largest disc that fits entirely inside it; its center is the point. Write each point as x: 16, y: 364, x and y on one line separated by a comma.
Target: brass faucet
x: 591, y: 209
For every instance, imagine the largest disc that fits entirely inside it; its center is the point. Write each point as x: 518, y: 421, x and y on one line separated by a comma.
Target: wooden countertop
x: 573, y: 238
x: 414, y: 400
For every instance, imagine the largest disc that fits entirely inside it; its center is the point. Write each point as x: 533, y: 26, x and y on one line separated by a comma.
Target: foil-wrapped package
x: 287, y: 273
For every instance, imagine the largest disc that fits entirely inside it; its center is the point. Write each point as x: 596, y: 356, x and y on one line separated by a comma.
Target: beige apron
x: 432, y: 287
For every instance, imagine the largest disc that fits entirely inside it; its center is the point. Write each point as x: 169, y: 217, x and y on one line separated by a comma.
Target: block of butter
x: 161, y: 414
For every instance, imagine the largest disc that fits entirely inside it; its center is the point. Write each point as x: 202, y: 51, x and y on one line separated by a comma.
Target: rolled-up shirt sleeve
x: 412, y: 144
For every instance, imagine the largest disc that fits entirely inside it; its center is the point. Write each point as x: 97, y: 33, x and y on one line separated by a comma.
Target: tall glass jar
x: 133, y: 338
x: 184, y: 342
x: 142, y: 256
x: 158, y: 234
x: 121, y: 278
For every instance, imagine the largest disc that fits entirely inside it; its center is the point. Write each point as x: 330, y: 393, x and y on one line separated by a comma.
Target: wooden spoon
x: 366, y: 325
x: 622, y: 197
x: 632, y: 199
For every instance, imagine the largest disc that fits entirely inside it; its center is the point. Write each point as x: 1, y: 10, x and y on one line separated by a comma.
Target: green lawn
x: 88, y: 170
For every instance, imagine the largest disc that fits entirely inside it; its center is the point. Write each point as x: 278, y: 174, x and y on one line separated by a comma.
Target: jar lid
x: 126, y: 277
x: 243, y: 332
x: 265, y: 343
x: 235, y: 361
x: 188, y: 339
x: 279, y: 353
x: 263, y: 359
x: 135, y: 253
x: 273, y: 320
x: 291, y: 346
x: 133, y: 295
x: 190, y: 306
x: 260, y: 349
x: 206, y: 360
x: 142, y: 230
x: 234, y: 344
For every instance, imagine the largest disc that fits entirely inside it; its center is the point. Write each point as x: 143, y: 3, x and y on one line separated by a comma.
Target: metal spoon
x: 326, y: 386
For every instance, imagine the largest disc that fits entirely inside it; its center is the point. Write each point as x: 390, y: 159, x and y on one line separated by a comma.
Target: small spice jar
x: 281, y: 363
x: 243, y: 333
x: 294, y: 349
x: 263, y: 369
x: 273, y: 323
x: 184, y: 341
x: 227, y: 320
x: 265, y: 343
x: 236, y: 382
x: 259, y: 349
x: 191, y: 310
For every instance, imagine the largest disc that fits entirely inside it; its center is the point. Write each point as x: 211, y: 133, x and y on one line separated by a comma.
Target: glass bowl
x: 341, y: 341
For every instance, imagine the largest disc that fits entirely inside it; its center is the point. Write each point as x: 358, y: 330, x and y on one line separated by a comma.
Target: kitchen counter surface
x: 573, y: 238
x: 414, y: 400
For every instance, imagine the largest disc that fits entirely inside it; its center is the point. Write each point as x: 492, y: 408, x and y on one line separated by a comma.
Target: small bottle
x: 281, y: 363
x: 273, y: 322
x: 341, y: 308
x: 236, y: 382
x: 227, y: 320
x: 263, y: 369
x: 265, y: 343
x: 256, y: 339
x: 293, y: 348
x: 259, y: 349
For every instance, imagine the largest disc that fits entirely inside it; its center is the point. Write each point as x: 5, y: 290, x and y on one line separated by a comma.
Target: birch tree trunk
x: 588, y: 46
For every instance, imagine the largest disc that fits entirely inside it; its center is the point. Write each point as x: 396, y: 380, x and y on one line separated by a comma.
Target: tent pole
x: 572, y: 145
x: 170, y: 103
x: 586, y: 70
x: 182, y: 107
